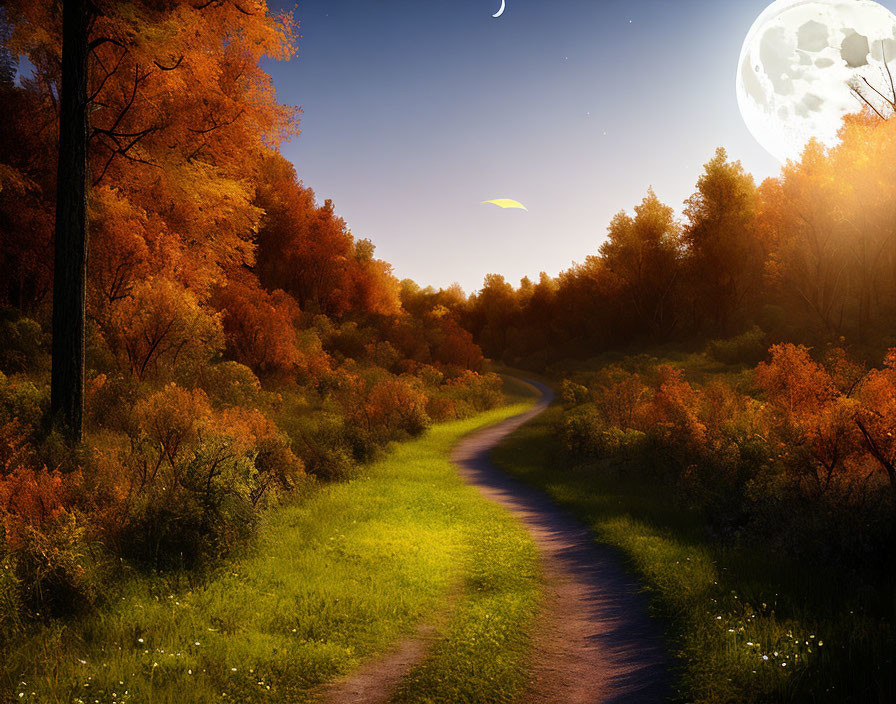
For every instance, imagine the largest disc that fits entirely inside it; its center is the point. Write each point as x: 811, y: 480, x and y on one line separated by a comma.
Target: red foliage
x: 308, y: 251
x: 260, y: 327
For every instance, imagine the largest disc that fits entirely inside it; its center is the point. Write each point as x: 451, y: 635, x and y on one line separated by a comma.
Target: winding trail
x: 594, y: 642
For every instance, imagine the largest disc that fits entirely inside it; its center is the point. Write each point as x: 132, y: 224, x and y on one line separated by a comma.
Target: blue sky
x: 414, y: 112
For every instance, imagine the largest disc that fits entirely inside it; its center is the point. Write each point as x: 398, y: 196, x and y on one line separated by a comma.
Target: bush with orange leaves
x: 195, y: 476
x: 49, y: 546
x: 811, y: 423
x: 46, y: 538
x: 876, y: 418
x: 805, y: 451
x: 619, y: 396
x: 42, y: 532
x: 673, y: 417
x: 394, y: 408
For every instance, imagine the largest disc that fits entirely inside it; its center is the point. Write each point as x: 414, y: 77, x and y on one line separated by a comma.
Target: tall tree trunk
x: 70, y: 262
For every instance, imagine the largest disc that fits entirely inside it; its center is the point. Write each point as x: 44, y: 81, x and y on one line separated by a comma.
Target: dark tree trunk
x: 70, y: 262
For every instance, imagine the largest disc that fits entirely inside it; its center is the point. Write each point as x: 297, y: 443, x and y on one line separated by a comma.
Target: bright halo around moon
x: 800, y: 63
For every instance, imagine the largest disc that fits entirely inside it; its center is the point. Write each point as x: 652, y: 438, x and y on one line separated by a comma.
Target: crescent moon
x: 503, y: 7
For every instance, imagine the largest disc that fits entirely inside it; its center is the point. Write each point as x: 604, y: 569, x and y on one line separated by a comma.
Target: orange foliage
x: 877, y: 416
x: 308, y: 251
x: 32, y: 498
x: 396, y: 404
x: 161, y: 327
x: 813, y: 424
x: 261, y: 330
x: 674, y: 410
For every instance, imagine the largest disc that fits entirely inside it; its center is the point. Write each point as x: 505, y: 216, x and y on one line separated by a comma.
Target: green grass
x: 725, y: 610
x: 331, y: 581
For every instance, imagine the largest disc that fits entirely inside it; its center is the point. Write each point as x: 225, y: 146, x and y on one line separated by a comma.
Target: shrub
x: 396, y: 407
x: 278, y: 471
x: 441, y: 409
x: 230, y: 384
x: 582, y: 434
x: 812, y: 424
x: 473, y: 392
x: 585, y: 436
x: 619, y: 396
x: 196, y: 476
x: 322, y: 443
x: 21, y: 400
x: 747, y: 348
x: 22, y: 344
x: 46, y: 541
x: 572, y: 394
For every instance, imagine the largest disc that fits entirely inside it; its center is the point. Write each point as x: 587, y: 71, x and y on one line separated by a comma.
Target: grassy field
x: 331, y: 581
x: 743, y: 626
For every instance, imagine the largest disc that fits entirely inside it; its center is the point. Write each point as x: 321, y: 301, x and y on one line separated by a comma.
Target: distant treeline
x: 809, y: 256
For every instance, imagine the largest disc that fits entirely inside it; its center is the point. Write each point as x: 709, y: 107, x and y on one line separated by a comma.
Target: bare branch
x: 216, y: 125
x: 883, y: 51
x: 867, y: 102
x: 96, y: 43
x: 109, y: 74
x: 170, y: 68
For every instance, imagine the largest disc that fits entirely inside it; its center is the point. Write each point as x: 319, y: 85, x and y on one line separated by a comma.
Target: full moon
x: 800, y: 63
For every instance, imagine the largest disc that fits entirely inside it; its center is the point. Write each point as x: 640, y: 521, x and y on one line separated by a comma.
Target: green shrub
x: 230, y: 384
x: 10, y: 594
x: 584, y: 434
x: 22, y: 400
x: 322, y: 444
x: 22, y: 345
x: 748, y: 348
x: 572, y: 394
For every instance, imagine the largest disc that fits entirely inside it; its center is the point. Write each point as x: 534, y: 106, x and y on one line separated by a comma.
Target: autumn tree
x: 644, y: 252
x: 724, y: 255
x: 876, y: 418
x: 309, y: 252
x: 181, y: 114
x: 495, y: 309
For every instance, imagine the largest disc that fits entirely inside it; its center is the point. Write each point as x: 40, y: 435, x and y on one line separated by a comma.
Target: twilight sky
x: 414, y: 112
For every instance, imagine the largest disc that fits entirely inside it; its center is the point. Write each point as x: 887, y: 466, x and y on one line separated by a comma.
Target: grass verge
x: 743, y: 625
x: 331, y: 581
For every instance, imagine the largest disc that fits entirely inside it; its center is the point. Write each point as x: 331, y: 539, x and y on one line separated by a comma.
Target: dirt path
x: 595, y: 642
x: 374, y: 682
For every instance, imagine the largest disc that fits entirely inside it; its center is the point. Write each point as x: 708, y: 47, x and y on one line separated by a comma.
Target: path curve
x: 595, y: 642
